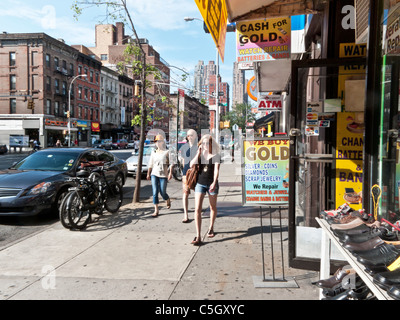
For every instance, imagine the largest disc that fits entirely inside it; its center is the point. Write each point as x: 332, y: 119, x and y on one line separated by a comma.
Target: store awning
x: 258, y: 9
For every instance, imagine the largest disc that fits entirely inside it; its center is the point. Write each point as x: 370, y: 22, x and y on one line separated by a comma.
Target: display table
x: 327, y: 238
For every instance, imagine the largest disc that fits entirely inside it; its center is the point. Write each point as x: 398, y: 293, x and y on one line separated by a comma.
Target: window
x: 13, y: 82
x: 48, y: 83
x: 91, y: 76
x: 80, y: 92
x: 34, y: 58
x: 57, y: 85
x: 106, y: 157
x: 103, y: 57
x: 48, y: 106
x: 56, y: 108
x: 12, y: 58
x: 79, y: 69
x: 71, y: 69
x: 64, y: 88
x: 47, y: 60
x: 56, y: 62
x: 13, y: 105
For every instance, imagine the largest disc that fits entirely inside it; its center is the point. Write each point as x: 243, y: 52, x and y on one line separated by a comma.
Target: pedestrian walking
x: 159, y: 165
x: 188, y: 152
x: 207, y: 182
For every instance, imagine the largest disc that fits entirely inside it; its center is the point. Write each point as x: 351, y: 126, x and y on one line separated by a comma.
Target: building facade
x: 35, y: 70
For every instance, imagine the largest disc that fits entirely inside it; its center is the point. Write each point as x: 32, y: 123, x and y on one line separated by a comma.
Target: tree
x: 240, y: 115
x: 134, y: 59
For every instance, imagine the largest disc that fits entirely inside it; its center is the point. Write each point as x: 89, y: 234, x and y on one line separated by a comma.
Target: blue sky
x: 180, y: 43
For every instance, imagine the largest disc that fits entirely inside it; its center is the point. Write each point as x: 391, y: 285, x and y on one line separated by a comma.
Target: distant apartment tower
x: 239, y: 83
x: 202, y: 74
x: 223, y: 98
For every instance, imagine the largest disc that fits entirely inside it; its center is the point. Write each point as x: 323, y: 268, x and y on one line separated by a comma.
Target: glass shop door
x: 326, y: 151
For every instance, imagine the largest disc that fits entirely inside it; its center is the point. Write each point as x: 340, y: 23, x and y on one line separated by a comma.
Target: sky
x: 180, y: 43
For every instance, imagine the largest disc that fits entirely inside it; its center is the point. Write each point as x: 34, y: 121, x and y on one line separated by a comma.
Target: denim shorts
x: 202, y: 188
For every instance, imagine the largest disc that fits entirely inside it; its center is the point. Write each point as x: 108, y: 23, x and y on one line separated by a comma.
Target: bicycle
x: 177, y: 171
x: 92, y: 194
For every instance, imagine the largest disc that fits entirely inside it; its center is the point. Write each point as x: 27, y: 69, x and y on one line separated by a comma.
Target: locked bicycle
x: 92, y: 193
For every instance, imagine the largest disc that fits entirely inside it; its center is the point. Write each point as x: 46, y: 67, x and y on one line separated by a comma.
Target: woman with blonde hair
x: 159, y: 165
x: 210, y: 159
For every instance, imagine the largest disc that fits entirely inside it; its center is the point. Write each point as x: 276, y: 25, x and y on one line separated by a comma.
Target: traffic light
x: 31, y: 104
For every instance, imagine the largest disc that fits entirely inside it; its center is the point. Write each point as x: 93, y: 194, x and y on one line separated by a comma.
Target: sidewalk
x: 132, y: 255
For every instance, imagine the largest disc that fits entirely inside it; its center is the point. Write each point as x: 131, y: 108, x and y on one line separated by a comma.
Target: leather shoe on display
x: 394, y: 292
x: 388, y: 279
x: 349, y: 225
x: 363, y: 246
x: 357, y: 230
x: 382, y: 255
x: 351, y: 294
x: 383, y: 233
x: 335, y: 280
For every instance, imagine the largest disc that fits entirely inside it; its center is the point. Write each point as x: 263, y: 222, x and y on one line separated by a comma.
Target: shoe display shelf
x: 327, y: 238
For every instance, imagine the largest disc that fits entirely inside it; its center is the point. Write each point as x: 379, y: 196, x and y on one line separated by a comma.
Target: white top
x: 159, y: 163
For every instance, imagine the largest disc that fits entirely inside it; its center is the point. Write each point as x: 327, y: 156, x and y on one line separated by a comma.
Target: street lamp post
x: 69, y: 106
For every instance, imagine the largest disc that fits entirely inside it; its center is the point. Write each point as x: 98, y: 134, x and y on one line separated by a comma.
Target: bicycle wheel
x: 63, y: 213
x: 177, y: 172
x: 77, y: 217
x: 114, y: 197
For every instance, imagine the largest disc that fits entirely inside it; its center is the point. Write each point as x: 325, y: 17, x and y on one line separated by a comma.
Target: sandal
x: 155, y: 214
x: 186, y: 220
x: 196, y: 241
x: 211, y: 233
x: 168, y: 203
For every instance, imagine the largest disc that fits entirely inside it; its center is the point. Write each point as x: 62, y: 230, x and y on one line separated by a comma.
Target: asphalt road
x: 14, y: 228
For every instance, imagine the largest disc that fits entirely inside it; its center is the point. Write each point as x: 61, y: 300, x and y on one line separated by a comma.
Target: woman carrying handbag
x: 207, y: 182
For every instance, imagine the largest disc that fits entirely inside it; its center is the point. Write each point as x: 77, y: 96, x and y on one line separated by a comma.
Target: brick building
x: 34, y: 67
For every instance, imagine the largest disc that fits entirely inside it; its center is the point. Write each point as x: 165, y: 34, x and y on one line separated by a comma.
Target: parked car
x: 3, y: 148
x: 104, y: 144
x: 133, y: 160
x: 40, y: 181
x: 121, y: 144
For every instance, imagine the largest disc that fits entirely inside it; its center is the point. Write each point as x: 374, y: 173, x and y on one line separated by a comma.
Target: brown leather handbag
x: 192, y: 174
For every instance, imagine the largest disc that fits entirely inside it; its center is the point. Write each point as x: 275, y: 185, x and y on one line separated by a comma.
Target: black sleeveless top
x: 206, y: 169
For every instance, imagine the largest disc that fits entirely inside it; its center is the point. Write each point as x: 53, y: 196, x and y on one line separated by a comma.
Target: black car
x: 3, y: 148
x: 39, y: 181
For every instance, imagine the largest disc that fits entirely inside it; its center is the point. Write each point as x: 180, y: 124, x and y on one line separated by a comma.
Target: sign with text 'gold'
x: 215, y: 17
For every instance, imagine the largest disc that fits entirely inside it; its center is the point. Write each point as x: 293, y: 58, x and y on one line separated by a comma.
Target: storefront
x: 344, y: 123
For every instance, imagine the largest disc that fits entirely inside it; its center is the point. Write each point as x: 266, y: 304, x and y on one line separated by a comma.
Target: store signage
x: 265, y: 178
x: 271, y: 102
x: 263, y: 40
x: 58, y: 123
x: 82, y: 123
x: 215, y: 17
x: 392, y: 41
x: 95, y: 126
x: 349, y: 155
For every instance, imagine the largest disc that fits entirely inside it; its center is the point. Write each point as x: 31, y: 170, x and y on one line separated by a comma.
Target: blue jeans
x: 159, y: 185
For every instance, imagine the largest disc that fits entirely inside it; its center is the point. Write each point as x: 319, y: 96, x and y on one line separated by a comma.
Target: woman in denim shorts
x: 207, y: 182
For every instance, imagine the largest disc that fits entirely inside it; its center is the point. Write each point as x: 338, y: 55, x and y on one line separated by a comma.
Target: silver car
x: 133, y: 160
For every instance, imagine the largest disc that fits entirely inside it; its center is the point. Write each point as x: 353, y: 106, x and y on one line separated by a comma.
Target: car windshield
x: 48, y: 161
x: 147, y: 150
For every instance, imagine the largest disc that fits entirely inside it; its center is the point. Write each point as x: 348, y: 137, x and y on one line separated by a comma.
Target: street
x: 14, y: 228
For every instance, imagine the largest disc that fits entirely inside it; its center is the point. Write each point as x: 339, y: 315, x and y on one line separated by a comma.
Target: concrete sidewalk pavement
x: 132, y: 255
